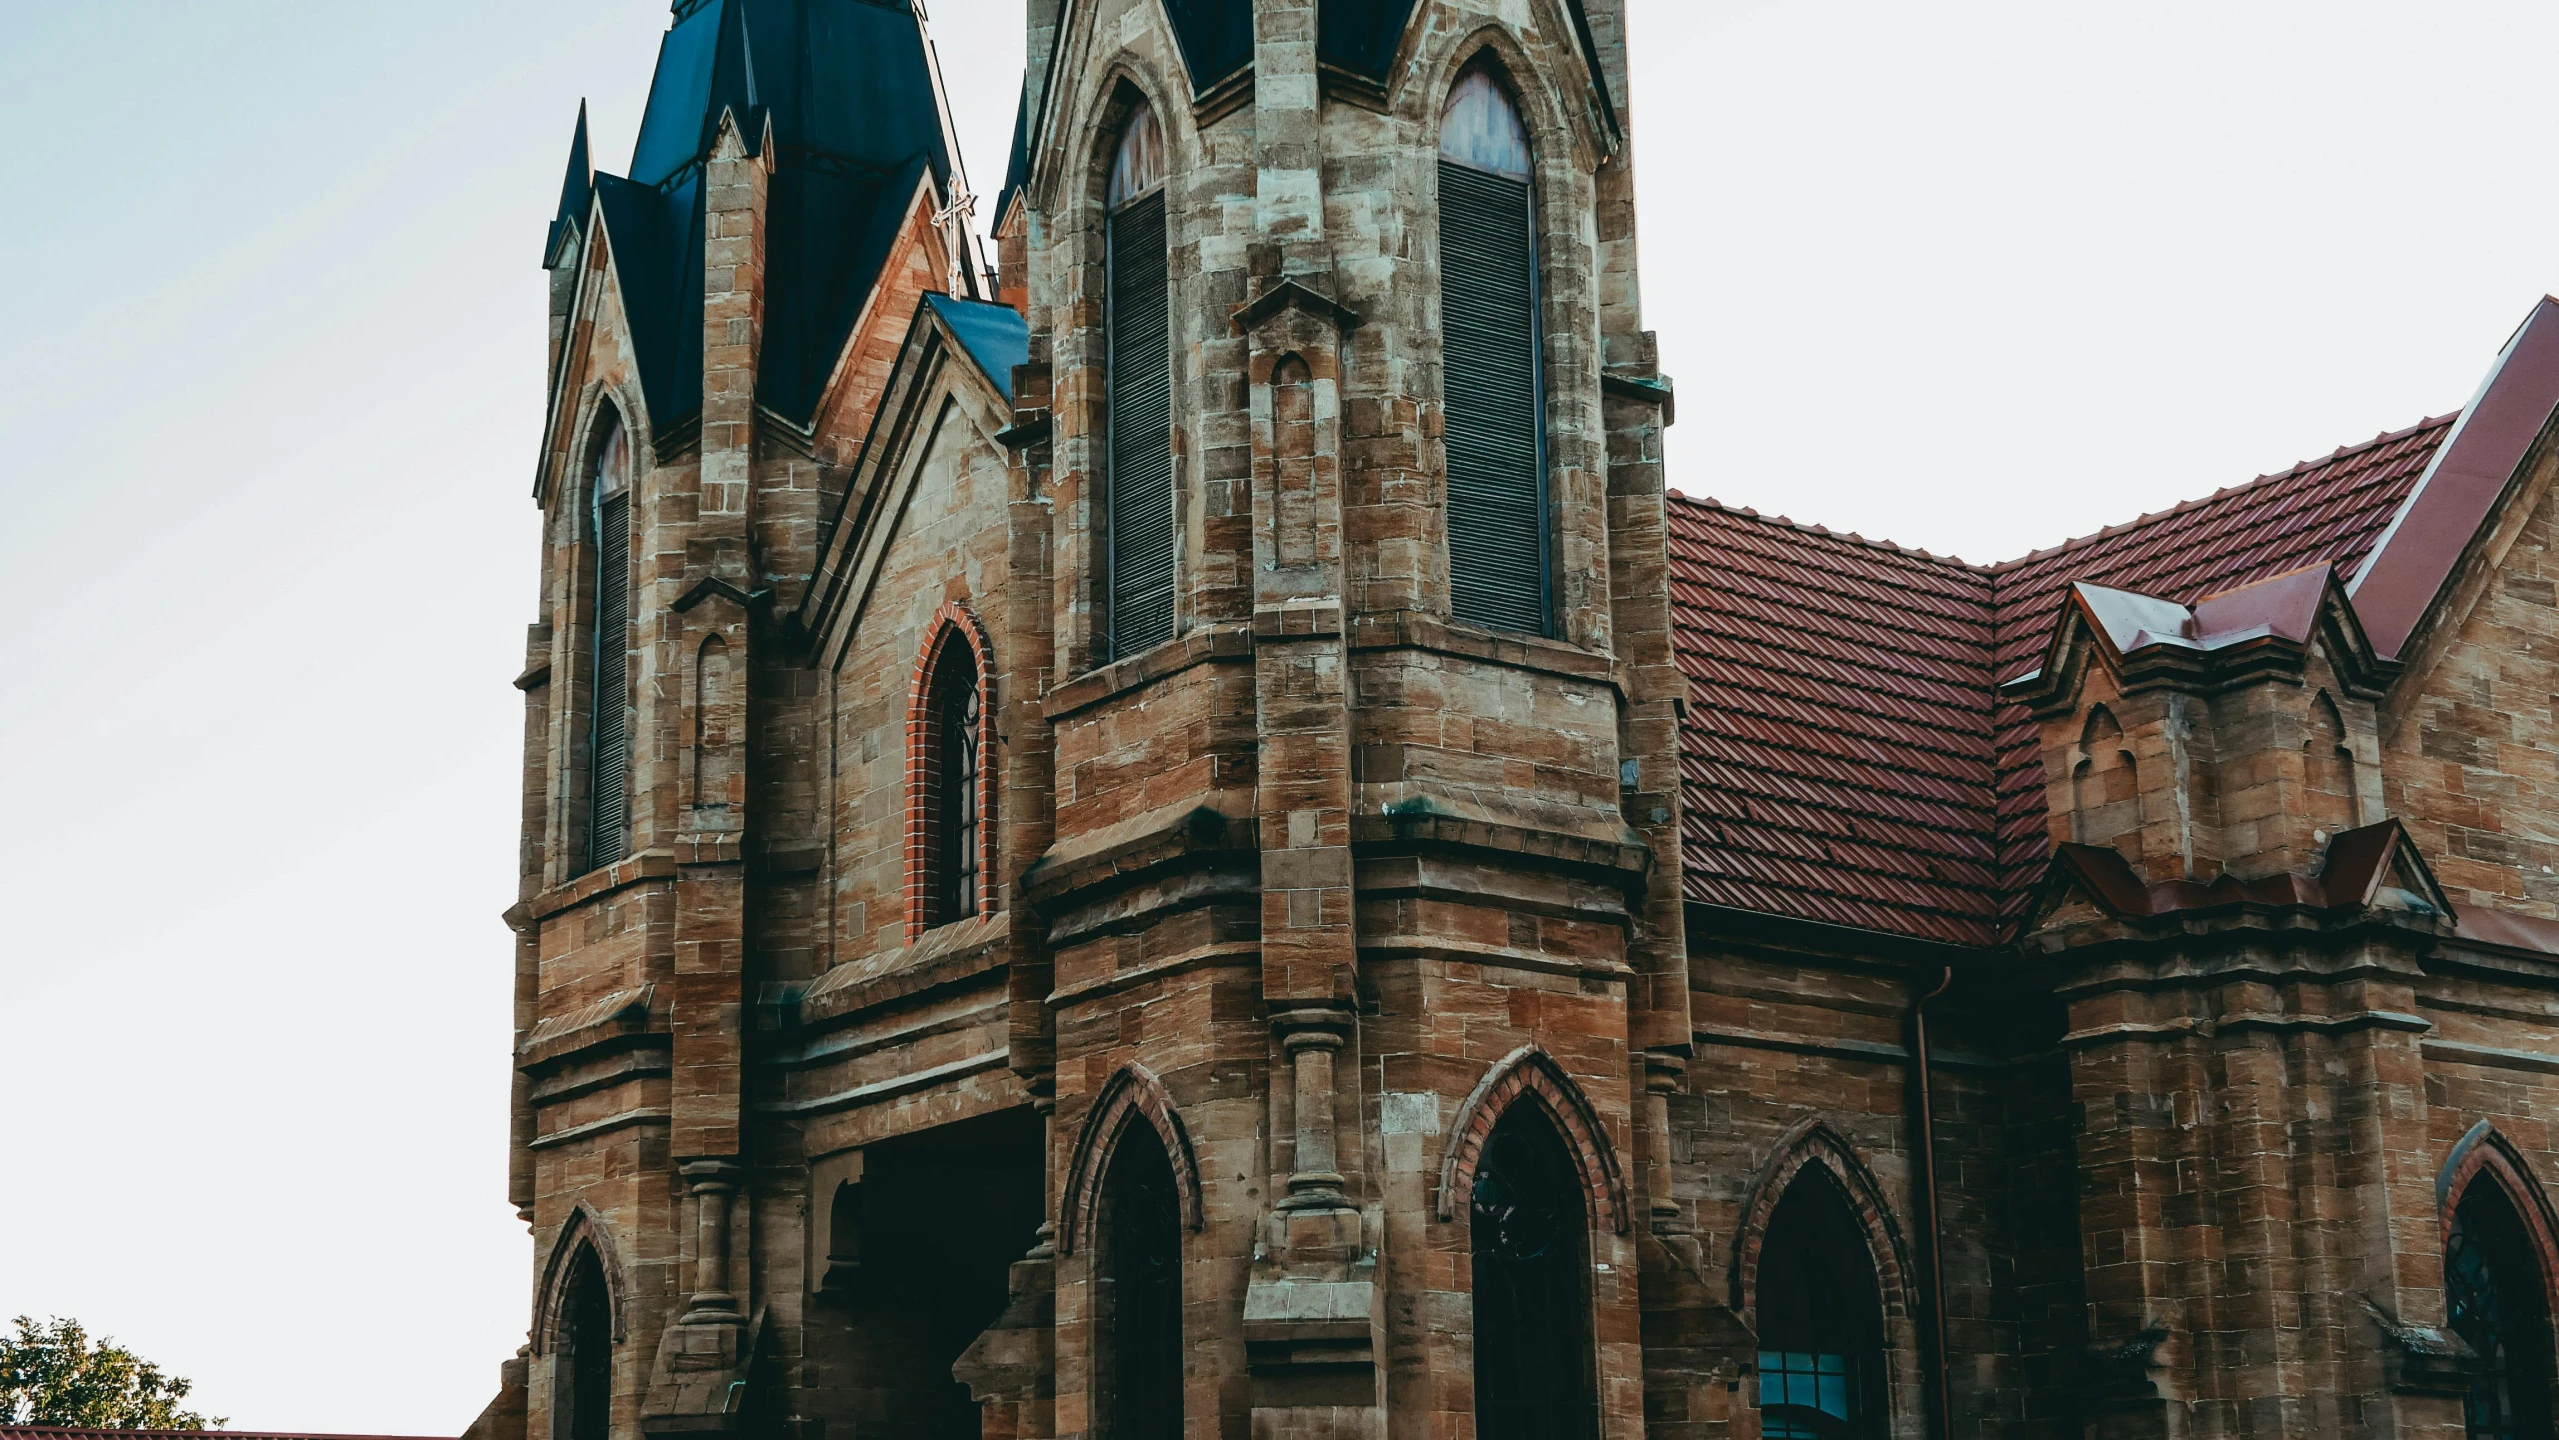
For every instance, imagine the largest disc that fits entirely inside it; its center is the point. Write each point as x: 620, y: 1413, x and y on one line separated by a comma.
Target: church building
x: 1163, y: 826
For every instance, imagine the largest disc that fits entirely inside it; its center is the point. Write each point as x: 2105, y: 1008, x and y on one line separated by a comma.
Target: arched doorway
x: 1138, y: 1301
x: 1529, y: 1230
x: 2497, y: 1298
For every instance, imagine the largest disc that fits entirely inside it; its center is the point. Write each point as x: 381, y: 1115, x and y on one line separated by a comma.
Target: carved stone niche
x: 2234, y: 736
x: 835, y: 1227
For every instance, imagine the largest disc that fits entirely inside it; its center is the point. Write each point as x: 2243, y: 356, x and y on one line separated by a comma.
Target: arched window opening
x: 1493, y: 394
x: 953, y: 785
x: 1138, y: 1309
x: 582, y: 1385
x: 1529, y: 1229
x: 608, y: 748
x: 2496, y: 1298
x: 1821, y: 1345
x: 1137, y: 498
x: 843, y: 1240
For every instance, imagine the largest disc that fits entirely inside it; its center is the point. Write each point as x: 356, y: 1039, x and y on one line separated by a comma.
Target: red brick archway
x: 1529, y: 1073
x: 1133, y: 1095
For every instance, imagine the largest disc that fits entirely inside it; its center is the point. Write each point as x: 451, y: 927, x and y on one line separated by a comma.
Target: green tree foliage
x: 53, y: 1374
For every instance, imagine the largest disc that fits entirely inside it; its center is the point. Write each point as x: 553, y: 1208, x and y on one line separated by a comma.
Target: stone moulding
x: 1522, y: 1074
x: 1816, y: 1143
x: 1131, y: 1096
x: 584, y: 1228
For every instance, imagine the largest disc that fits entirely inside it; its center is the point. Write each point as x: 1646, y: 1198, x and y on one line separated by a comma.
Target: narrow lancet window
x: 2496, y: 1298
x: 1493, y: 395
x: 1139, y: 1309
x: 609, y: 719
x: 954, y: 785
x: 1530, y: 1223
x: 1137, y: 501
x: 1820, y: 1320
x: 582, y: 1387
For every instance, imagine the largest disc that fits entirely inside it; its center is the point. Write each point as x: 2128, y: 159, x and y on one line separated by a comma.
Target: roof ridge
x: 2002, y: 568
x: 1890, y: 547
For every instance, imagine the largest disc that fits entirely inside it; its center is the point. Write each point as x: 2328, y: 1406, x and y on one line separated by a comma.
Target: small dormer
x: 2233, y: 736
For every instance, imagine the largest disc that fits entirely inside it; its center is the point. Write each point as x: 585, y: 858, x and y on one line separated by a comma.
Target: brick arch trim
x: 1132, y: 1094
x: 1817, y: 1145
x: 951, y: 625
x: 1530, y: 1074
x: 585, y: 1230
x: 2484, y: 1150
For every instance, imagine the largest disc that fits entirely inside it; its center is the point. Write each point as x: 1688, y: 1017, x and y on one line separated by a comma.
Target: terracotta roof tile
x: 1844, y: 759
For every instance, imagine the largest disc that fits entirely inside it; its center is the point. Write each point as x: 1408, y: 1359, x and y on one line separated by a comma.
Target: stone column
x: 713, y: 1182
x: 1311, y: 1038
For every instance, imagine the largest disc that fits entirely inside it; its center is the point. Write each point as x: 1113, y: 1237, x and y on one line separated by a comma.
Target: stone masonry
x: 1317, y: 893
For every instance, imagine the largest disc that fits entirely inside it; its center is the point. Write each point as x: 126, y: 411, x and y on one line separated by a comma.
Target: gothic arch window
x: 608, y: 748
x: 1493, y: 395
x: 951, y: 791
x: 2496, y: 1297
x: 1137, y: 485
x: 1138, y: 1292
x: 582, y: 1353
x: 1529, y: 1234
x: 1821, y: 1319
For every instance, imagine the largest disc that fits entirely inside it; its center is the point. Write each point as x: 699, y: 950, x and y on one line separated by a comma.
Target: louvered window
x: 1137, y: 500
x: 609, y: 722
x: 1494, y: 397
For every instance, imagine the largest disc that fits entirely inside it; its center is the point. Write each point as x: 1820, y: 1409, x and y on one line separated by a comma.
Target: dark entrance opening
x: 582, y: 1386
x: 1530, y: 1233
x: 919, y: 1258
x: 1821, y: 1320
x: 1138, y: 1300
x: 2496, y: 1298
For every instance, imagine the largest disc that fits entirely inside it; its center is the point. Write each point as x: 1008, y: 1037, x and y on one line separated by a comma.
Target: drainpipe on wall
x: 1940, y: 1401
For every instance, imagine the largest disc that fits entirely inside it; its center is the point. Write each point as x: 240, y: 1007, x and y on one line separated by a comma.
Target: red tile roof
x: 1844, y: 759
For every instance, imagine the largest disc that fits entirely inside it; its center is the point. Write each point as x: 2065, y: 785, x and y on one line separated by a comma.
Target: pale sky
x: 1971, y: 276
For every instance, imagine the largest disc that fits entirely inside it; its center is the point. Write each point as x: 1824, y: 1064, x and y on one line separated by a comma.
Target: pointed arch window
x: 954, y: 786
x: 1820, y: 1312
x: 582, y: 1385
x: 608, y: 751
x: 1493, y: 392
x: 1139, y: 1306
x: 2496, y: 1298
x: 1137, y: 498
x: 1529, y: 1233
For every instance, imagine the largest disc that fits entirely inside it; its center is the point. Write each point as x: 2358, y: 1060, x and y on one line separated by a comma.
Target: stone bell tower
x: 1341, y: 879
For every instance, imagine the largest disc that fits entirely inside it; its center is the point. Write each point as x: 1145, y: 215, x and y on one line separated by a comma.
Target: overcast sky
x: 1971, y: 276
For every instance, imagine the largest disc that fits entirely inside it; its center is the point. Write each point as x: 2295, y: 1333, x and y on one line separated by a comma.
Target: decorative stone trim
x: 952, y: 624
x: 1817, y: 1144
x: 1532, y: 1073
x: 2485, y: 1150
x: 1133, y: 1093
x: 586, y: 1229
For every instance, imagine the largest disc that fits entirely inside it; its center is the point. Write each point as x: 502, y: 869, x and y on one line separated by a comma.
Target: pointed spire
x: 577, y: 191
x: 733, y: 85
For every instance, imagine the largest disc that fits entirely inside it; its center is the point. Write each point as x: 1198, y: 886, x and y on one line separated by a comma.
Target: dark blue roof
x: 1216, y: 36
x: 577, y: 190
x: 996, y: 337
x: 1362, y: 36
x: 856, y: 125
